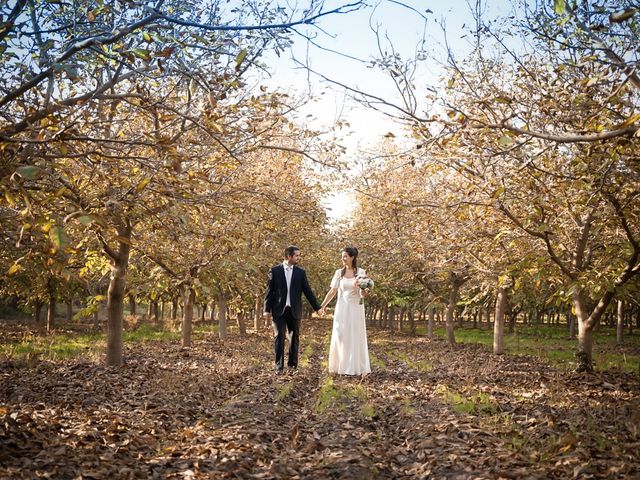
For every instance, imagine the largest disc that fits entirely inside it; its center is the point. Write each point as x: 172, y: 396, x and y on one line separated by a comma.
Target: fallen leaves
x: 221, y: 412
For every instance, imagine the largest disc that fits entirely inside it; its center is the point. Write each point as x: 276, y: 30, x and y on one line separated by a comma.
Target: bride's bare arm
x: 328, y: 297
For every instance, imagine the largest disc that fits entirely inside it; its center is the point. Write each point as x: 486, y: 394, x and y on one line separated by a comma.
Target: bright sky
x: 351, y: 34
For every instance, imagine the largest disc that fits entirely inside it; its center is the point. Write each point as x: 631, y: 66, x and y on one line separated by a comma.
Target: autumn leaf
x: 240, y: 57
x: 58, y: 236
x: 29, y: 172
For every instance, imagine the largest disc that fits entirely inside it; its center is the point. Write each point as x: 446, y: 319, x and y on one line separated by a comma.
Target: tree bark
x: 412, y: 323
x: 51, y: 310
x: 430, y: 322
x: 242, y: 324
x: 132, y: 304
x: 222, y: 316
x: 119, y: 263
x: 257, y: 313
x: 69, y: 310
x: 37, y: 315
x: 571, y: 319
x: 187, y: 318
x: 586, y: 323
x: 451, y: 306
x: 620, y: 323
x: 174, y: 308
x: 498, y: 323
x: 212, y: 312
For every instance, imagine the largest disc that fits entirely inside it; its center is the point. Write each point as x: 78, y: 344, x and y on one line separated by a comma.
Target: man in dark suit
x: 283, y: 301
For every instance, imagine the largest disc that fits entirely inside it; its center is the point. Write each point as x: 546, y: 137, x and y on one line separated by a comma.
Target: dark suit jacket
x: 276, y: 298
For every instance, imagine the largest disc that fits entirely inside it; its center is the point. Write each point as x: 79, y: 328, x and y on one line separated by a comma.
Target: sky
x: 351, y: 34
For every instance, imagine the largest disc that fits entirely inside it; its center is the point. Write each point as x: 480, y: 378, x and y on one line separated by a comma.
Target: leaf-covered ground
x: 219, y: 410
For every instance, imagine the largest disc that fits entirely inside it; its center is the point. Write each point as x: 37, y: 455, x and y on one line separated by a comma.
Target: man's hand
x: 321, y: 312
x: 266, y: 314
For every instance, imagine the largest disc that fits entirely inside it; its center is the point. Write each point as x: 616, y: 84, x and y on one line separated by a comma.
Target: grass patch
x: 327, y: 396
x: 478, y: 404
x: 420, y: 365
x: 552, y: 343
x: 376, y: 362
x: 305, y: 358
x: 73, y: 345
x: 206, y: 329
x: 340, y: 398
x: 54, y: 347
x: 147, y: 333
x: 284, y: 391
x: 406, y: 408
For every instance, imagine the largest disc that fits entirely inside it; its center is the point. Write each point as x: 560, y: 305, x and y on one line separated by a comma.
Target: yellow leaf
x: 13, y: 269
x: 142, y: 184
x: 629, y: 121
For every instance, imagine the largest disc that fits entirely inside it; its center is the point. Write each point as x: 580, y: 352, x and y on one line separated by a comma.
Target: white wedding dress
x: 348, y: 352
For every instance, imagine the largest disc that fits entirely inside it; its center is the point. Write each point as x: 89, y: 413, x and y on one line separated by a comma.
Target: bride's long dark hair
x: 352, y: 252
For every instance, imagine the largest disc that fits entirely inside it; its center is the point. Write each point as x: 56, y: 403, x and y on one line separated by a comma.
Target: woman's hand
x: 365, y: 292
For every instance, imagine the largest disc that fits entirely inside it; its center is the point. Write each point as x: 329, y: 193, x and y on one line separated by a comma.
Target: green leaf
x: 147, y: 38
x: 506, y: 140
x: 86, y: 219
x: 29, y: 172
x: 560, y: 6
x: 240, y: 57
x: 58, y: 237
x: 142, y: 53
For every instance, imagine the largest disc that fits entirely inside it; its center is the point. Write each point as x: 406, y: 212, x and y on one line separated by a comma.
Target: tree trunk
x: 242, y: 324
x: 488, y: 317
x: 203, y: 312
x: 620, y: 323
x: 132, y: 304
x: 51, y: 310
x: 430, y: 322
x: 174, y: 308
x: 69, y: 310
x: 257, y: 313
x: 571, y: 319
x: 187, y: 318
x: 451, y: 306
x: 37, y: 315
x: 115, y: 300
x: 412, y: 322
x: 212, y: 312
x: 222, y: 316
x: 585, y: 333
x: 512, y: 318
x: 498, y: 323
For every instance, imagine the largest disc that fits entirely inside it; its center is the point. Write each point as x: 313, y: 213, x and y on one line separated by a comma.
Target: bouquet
x: 363, y: 282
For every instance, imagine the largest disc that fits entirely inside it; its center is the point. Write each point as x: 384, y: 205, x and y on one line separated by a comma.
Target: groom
x: 285, y: 285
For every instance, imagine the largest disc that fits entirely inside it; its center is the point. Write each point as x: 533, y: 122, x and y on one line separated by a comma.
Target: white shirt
x: 288, y: 273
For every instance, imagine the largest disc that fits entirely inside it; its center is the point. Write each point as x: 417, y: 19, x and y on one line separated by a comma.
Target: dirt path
x: 219, y: 411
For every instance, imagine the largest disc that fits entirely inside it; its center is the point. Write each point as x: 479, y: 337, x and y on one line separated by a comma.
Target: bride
x: 348, y: 352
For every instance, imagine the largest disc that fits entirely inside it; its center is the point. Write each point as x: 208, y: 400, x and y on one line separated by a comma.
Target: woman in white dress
x: 348, y: 352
